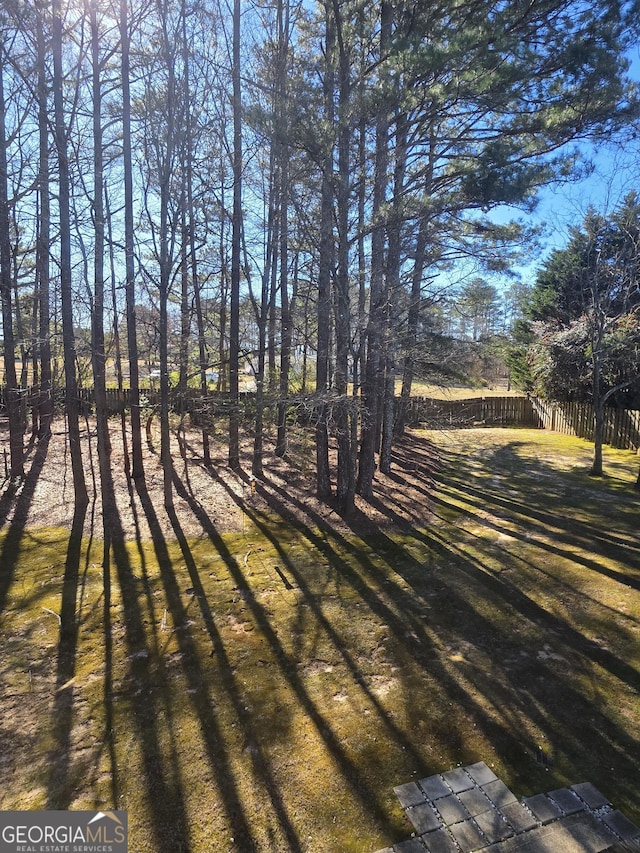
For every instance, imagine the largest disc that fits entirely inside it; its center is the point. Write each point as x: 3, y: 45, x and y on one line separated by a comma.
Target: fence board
x: 622, y: 426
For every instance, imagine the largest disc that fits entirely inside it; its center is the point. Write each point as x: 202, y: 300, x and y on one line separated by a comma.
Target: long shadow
x: 531, y: 690
x: 210, y: 725
x: 109, y: 739
x: 312, y: 599
x: 406, y: 618
x: 11, y: 544
x: 544, y: 684
x: 506, y: 459
x: 59, y: 791
x: 498, y: 587
x: 473, y: 625
x: 483, y: 500
x: 537, y: 497
x: 259, y: 759
x: 509, y: 559
x: 288, y: 665
x: 401, y: 611
x: 572, y: 534
x: 165, y: 795
x: 169, y: 825
x: 144, y: 683
x: 504, y: 589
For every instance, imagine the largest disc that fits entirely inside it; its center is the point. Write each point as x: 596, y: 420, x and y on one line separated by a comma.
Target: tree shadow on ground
x: 466, y: 594
x: 438, y: 591
x: 144, y: 685
x: 252, y: 737
x: 210, y: 724
x: 62, y: 716
x: 287, y: 662
x: 11, y: 545
x: 477, y: 578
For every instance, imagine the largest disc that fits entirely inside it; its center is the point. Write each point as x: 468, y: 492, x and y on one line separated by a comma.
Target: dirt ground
x: 288, y: 482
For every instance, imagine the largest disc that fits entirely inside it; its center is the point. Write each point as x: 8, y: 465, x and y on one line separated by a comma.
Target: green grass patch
x: 265, y: 691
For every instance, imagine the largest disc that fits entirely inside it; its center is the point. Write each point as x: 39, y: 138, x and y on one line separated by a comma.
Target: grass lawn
x: 265, y: 690
x: 457, y: 392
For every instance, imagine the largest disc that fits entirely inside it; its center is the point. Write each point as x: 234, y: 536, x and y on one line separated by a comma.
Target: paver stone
x: 423, y: 817
x: 474, y: 801
x: 435, y: 787
x: 480, y: 773
x: 413, y: 845
x: 409, y: 794
x: 493, y: 825
x: 543, y: 808
x: 439, y: 841
x: 499, y: 794
x: 458, y: 780
x: 520, y: 818
x: 468, y: 836
x: 621, y: 825
x: 451, y: 809
x: 590, y: 794
x: 567, y: 799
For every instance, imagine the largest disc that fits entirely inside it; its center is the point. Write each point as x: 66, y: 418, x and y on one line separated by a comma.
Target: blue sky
x: 616, y: 172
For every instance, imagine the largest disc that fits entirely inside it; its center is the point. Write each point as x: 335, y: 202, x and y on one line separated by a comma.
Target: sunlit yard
x: 265, y: 690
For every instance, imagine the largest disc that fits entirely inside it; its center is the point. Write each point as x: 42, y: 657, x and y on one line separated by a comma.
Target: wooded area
x: 270, y: 185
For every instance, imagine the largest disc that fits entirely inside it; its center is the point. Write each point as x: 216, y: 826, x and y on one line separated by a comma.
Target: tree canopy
x: 584, y: 309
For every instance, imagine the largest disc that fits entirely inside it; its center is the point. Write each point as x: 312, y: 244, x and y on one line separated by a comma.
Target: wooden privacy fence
x: 621, y: 428
x: 119, y: 400
x: 476, y: 411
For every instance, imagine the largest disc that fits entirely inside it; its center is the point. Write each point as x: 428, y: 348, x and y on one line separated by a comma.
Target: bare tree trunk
x: 281, y: 95
x: 202, y: 358
x: 97, y: 324
x: 598, y: 403
x: 132, y: 340
x: 598, y: 436
x: 21, y: 352
x: 185, y: 312
x: 116, y: 339
x: 285, y: 346
x: 35, y: 358
x: 13, y: 397
x: 45, y: 402
x: 346, y: 483
x: 223, y: 351
x: 262, y: 315
x: 191, y: 219
x: 394, y: 294
x: 234, y: 321
x: 413, y: 319
x: 325, y: 265
x: 271, y: 337
x: 68, y: 337
x: 373, y: 384
x: 166, y: 262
